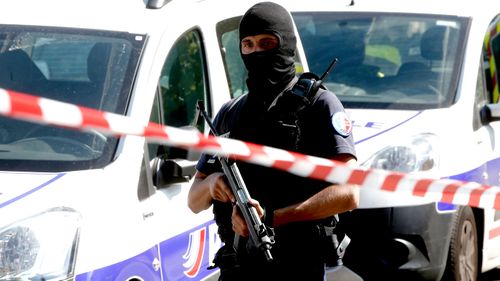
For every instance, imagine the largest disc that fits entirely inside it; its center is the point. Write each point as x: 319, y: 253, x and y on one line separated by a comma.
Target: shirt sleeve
x: 332, y: 126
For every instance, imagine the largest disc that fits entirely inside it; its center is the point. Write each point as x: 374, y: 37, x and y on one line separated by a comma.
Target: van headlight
x: 42, y: 247
x: 417, y: 154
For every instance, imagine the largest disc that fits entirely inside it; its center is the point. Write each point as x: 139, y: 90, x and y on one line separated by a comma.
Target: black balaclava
x: 271, y: 71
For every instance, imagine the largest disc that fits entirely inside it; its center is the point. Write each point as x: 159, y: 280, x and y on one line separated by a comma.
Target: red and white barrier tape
x: 42, y: 110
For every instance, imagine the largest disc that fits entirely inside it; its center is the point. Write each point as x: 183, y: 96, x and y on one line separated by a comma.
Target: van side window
x: 154, y: 148
x: 495, y: 50
x: 482, y: 96
x: 491, y: 54
x: 182, y: 81
x: 181, y: 84
x: 228, y: 36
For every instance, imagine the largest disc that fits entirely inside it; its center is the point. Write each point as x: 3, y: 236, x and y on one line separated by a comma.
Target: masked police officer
x: 298, y: 209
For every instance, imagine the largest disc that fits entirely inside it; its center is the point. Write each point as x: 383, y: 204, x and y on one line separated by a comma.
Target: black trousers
x: 297, y: 255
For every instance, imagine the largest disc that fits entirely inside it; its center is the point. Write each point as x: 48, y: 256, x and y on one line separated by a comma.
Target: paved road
x: 341, y: 273
x: 345, y: 274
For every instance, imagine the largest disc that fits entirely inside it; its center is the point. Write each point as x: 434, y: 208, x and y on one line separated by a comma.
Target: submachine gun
x: 260, y: 235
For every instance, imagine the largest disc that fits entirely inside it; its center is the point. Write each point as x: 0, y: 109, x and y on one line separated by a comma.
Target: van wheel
x: 462, y: 261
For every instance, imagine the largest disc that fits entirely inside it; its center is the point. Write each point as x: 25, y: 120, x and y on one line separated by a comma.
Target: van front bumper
x: 396, y: 243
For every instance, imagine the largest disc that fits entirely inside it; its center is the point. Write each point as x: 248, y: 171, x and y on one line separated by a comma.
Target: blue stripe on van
x: 489, y: 169
x: 21, y: 196
x: 173, y: 261
x: 472, y: 175
x: 140, y: 266
x: 388, y: 129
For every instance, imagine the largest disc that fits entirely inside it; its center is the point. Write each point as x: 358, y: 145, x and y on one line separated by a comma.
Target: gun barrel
x: 268, y: 255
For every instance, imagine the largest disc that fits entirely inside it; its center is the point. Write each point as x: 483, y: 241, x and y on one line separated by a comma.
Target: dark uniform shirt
x: 325, y: 131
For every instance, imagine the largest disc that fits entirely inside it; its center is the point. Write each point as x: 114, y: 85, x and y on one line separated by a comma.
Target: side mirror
x: 168, y: 171
x: 490, y: 113
x: 178, y: 165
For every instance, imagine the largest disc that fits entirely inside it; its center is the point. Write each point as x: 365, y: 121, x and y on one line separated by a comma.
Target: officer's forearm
x: 199, y: 197
x: 332, y: 200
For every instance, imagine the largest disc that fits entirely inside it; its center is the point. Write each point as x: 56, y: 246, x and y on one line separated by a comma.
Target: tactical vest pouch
x: 287, y: 110
x: 282, y: 134
x: 284, y: 129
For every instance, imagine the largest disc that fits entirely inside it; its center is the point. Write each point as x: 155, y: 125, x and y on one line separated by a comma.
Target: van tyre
x: 462, y: 261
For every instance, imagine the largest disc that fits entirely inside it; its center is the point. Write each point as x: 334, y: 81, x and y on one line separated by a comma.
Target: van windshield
x: 397, y: 61
x: 83, y: 67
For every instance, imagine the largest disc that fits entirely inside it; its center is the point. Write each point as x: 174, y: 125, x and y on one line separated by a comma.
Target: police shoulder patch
x: 342, y: 123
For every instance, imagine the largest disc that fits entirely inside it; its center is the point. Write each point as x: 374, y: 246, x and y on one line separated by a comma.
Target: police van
x: 82, y: 205
x: 419, y: 80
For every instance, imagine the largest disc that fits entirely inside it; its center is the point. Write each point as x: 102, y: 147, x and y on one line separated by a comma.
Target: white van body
x: 103, y: 209
x: 401, y: 126
x: 115, y: 209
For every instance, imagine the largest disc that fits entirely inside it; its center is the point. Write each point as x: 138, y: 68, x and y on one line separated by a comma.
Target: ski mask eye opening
x: 259, y: 43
